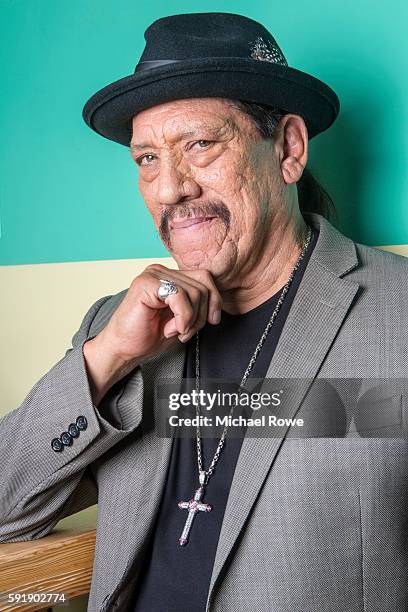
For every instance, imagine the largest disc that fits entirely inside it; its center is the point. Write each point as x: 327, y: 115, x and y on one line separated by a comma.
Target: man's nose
x: 175, y: 185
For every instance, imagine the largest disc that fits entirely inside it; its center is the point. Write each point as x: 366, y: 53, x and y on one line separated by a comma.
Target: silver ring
x: 166, y: 288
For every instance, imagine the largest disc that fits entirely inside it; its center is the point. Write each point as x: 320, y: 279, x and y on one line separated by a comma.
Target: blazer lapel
x: 318, y: 310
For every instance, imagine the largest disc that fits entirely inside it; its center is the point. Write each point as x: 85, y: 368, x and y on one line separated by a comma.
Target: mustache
x: 214, y: 208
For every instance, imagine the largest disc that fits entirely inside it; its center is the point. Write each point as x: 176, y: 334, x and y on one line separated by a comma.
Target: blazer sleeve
x: 40, y: 485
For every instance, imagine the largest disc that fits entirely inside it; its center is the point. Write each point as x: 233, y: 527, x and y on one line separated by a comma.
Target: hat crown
x: 207, y: 35
x: 204, y: 55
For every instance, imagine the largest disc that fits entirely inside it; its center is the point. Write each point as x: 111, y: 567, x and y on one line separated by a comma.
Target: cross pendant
x: 193, y: 506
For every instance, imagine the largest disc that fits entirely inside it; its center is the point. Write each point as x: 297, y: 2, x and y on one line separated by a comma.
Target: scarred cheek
x: 226, y: 169
x: 208, y: 176
x: 225, y: 180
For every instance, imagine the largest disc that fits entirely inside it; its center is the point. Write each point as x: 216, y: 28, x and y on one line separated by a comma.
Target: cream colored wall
x: 42, y: 307
x: 400, y: 249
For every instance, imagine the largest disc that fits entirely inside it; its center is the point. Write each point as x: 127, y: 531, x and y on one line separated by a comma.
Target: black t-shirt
x: 177, y: 577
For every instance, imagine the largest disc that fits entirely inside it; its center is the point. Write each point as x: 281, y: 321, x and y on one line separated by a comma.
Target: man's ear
x: 292, y: 142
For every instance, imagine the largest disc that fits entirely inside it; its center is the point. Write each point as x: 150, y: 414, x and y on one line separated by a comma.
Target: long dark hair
x: 312, y: 196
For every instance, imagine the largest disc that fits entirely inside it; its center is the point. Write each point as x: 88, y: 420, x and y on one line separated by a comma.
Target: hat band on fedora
x: 148, y: 64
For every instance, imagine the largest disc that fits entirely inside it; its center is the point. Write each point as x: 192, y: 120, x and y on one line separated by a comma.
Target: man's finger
x: 205, y: 278
x: 202, y: 278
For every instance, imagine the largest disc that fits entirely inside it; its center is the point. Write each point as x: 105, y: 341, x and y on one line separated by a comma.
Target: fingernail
x: 216, y: 316
x: 171, y: 330
x: 171, y: 334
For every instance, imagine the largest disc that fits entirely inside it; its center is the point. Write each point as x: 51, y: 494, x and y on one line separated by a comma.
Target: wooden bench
x: 58, y: 563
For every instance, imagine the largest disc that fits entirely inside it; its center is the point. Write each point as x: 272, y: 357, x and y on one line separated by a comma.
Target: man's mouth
x: 181, y: 224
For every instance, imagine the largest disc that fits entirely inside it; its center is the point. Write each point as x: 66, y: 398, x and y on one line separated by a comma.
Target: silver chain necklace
x: 195, y: 504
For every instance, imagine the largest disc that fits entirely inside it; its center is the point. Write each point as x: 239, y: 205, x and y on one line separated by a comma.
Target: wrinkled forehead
x: 185, y: 118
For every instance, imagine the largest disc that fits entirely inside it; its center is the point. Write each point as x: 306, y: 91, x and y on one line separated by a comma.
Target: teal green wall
x: 67, y: 194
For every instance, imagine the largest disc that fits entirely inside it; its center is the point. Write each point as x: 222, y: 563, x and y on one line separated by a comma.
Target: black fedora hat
x: 201, y: 55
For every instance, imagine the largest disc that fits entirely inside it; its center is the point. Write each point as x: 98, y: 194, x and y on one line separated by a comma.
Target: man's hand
x: 143, y: 325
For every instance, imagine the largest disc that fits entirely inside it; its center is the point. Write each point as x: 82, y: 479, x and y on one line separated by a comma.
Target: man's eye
x: 148, y: 157
x: 202, y: 144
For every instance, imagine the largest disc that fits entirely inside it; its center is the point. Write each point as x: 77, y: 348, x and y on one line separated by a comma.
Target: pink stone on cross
x: 193, y: 506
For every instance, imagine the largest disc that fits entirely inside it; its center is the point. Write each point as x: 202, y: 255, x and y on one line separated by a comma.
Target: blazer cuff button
x: 66, y: 439
x: 57, y: 445
x: 82, y: 423
x: 73, y: 430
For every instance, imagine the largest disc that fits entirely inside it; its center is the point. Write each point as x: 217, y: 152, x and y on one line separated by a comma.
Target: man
x: 263, y: 289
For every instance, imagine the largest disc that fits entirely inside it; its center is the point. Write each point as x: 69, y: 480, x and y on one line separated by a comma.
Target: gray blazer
x: 311, y: 525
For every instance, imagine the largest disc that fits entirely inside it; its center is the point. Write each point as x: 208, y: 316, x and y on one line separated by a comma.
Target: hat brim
x: 110, y: 111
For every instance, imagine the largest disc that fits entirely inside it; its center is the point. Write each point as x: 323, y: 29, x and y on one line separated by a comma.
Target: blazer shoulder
x: 383, y: 275
x: 106, y: 311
